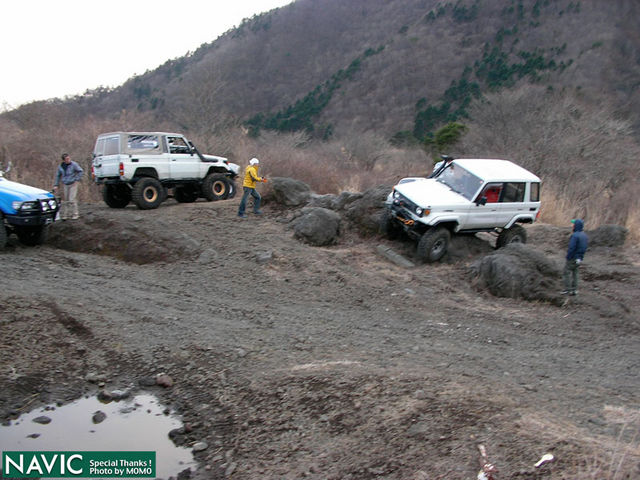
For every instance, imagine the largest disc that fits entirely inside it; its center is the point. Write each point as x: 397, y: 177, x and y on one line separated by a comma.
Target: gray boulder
x: 518, y: 271
x: 290, y: 192
x: 607, y: 236
x: 317, y: 226
x: 324, y: 201
x: 363, y: 212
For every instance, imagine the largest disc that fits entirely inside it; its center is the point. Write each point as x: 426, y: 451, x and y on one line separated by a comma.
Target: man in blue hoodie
x: 578, y: 243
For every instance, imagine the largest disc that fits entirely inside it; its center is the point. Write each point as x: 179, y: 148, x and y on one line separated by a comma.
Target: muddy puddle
x: 140, y: 423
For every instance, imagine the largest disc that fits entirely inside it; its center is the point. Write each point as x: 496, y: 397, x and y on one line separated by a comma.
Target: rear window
x: 99, y: 148
x: 535, y: 192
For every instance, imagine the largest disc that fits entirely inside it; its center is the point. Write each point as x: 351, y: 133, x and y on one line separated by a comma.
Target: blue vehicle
x: 26, y: 211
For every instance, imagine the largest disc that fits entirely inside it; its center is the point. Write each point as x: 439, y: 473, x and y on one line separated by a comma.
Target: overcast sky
x: 55, y: 48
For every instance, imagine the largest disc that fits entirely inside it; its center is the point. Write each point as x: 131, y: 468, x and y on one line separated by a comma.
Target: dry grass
x: 591, y: 456
x: 585, y: 156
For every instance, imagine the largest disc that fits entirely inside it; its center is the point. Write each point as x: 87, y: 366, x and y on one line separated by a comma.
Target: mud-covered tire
x: 515, y: 234
x: 148, y: 193
x: 233, y: 189
x: 186, y: 194
x: 32, y: 236
x: 388, y: 226
x: 433, y: 244
x: 3, y: 234
x: 116, y: 196
x: 215, y: 187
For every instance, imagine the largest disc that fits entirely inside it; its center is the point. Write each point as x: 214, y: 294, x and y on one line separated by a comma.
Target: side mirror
x: 482, y: 201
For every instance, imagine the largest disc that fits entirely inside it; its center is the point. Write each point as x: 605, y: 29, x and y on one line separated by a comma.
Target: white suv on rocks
x: 467, y: 196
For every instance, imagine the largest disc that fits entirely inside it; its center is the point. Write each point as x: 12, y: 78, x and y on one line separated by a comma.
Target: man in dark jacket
x: 575, y: 255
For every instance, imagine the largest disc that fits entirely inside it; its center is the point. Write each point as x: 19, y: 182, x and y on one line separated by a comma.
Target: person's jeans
x: 256, y: 200
x: 570, y: 275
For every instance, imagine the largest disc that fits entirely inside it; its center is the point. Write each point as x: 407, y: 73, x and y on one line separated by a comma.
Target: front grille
x: 402, y: 201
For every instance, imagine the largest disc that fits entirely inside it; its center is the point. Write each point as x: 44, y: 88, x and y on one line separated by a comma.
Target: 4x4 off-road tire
x: 186, y: 194
x: 515, y: 234
x: 433, y: 244
x: 388, y: 226
x: 116, y: 196
x: 148, y: 193
x: 32, y: 236
x: 3, y: 233
x: 232, y: 188
x: 215, y: 187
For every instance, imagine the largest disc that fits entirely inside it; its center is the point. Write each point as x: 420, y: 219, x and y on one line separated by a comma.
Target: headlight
x: 396, y: 194
x: 418, y: 211
x: 16, y: 205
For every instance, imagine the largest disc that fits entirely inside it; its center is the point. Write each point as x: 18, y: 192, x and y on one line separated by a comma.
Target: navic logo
x: 78, y: 464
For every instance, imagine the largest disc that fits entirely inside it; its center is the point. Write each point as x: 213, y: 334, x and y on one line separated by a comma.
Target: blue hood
x: 17, y: 192
x: 578, y: 225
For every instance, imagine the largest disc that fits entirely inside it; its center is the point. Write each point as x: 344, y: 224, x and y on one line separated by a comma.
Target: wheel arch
x: 145, y: 172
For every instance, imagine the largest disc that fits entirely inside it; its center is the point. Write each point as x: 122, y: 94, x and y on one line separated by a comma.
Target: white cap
x: 254, y: 161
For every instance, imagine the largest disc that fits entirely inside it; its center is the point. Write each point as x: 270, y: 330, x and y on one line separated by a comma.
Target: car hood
x: 429, y: 193
x: 14, y: 191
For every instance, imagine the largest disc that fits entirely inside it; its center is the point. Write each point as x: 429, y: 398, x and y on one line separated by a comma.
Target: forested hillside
x: 383, y: 86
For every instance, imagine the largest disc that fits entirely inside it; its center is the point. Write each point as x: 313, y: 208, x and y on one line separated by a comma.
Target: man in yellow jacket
x: 251, y: 177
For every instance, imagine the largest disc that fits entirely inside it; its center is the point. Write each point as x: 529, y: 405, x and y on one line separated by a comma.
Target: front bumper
x: 32, y: 219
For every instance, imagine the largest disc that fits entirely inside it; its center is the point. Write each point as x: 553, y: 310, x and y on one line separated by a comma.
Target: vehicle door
x: 146, y: 153
x: 183, y: 163
x: 511, y: 202
x: 484, y: 212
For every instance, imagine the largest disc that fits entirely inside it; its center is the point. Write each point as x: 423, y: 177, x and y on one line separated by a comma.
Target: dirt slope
x: 294, y: 361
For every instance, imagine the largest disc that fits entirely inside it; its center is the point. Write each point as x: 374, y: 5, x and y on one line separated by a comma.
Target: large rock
x: 317, y: 226
x: 518, y: 271
x: 290, y: 192
x: 607, y: 236
x: 363, y: 211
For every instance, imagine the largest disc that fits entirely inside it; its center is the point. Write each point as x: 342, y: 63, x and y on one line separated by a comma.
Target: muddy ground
x: 291, y: 361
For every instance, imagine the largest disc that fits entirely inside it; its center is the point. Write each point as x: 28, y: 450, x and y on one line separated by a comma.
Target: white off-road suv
x: 143, y: 166
x: 467, y: 196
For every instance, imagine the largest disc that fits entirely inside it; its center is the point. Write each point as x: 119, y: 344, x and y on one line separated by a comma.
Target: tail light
x: 93, y: 173
x: 121, y: 169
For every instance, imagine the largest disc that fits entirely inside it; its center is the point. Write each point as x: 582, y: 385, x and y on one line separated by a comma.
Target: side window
x: 535, y: 192
x: 111, y: 146
x: 491, y: 192
x: 178, y: 145
x: 142, y: 142
x: 513, y: 192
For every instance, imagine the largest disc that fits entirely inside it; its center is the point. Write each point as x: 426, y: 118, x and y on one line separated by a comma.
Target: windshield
x: 460, y: 181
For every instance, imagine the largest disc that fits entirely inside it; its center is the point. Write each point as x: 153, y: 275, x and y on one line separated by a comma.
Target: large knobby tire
x: 3, y: 233
x: 232, y: 188
x: 116, y: 196
x: 186, y: 194
x: 215, y: 187
x: 388, y: 226
x: 148, y: 193
x: 433, y: 244
x: 33, y: 236
x: 515, y: 234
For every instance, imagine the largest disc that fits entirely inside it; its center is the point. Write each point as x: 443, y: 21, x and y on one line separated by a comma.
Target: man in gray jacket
x: 69, y: 173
